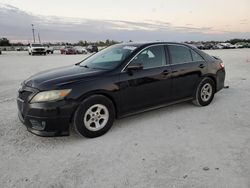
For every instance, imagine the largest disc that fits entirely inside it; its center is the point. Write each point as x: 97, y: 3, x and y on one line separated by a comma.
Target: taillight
x: 222, y: 65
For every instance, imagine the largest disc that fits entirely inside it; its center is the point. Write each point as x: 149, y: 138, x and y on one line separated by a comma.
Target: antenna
x: 33, y: 31
x: 39, y: 38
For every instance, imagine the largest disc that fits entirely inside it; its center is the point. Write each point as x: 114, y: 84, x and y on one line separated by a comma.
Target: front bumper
x: 38, y: 52
x: 46, y: 119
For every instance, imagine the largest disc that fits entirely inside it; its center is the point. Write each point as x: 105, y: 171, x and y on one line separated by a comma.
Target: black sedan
x: 118, y: 81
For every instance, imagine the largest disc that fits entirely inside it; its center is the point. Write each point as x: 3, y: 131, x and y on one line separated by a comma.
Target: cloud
x: 16, y: 25
x: 244, y: 22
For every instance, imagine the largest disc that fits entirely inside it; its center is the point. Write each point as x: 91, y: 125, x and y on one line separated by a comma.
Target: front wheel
x: 204, y: 92
x: 94, y: 117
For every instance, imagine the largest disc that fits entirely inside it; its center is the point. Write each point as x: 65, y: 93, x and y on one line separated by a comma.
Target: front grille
x: 24, y: 95
x: 39, y: 49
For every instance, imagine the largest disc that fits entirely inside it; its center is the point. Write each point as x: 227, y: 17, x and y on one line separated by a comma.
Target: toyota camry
x: 120, y: 80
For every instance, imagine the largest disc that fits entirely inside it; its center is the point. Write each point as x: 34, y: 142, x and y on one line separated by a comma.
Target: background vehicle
x: 92, y: 48
x: 120, y: 80
x: 36, y: 49
x: 80, y: 50
x: 49, y: 50
x: 0, y: 52
x: 68, y: 50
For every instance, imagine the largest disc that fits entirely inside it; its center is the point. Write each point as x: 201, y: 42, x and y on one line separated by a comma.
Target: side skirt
x: 154, y: 107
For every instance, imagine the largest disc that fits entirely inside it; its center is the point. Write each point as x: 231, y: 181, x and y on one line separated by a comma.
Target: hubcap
x: 96, y: 117
x: 206, y: 92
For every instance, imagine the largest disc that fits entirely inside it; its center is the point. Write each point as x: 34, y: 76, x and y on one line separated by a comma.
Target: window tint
x: 196, y: 56
x: 151, y: 57
x: 179, y: 54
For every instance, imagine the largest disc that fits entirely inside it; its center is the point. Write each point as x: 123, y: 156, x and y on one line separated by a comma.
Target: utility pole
x: 33, y: 31
x: 39, y: 38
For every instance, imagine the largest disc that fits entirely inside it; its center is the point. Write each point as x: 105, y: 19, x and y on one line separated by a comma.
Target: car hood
x: 54, y: 78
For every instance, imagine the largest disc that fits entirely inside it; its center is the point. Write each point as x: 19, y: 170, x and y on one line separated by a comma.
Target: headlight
x: 53, y: 95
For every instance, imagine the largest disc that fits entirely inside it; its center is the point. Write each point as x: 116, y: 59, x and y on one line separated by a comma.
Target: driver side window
x: 151, y: 57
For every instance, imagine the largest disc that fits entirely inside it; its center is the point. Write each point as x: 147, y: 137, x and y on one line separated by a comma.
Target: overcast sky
x: 122, y: 20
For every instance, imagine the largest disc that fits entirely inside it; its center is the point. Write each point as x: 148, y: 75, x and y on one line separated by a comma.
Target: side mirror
x: 134, y: 67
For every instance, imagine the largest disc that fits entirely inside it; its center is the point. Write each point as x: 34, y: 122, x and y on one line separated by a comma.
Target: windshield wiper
x: 86, y: 66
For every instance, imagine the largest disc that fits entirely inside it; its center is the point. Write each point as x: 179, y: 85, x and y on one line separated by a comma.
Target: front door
x: 149, y: 86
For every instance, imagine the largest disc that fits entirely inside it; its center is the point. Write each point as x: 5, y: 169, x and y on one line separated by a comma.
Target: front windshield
x: 109, y: 58
x: 36, y: 45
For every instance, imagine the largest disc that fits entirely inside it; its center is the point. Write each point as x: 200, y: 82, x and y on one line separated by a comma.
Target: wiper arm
x: 86, y: 66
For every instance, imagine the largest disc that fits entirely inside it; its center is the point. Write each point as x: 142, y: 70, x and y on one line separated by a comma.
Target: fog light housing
x: 37, y: 125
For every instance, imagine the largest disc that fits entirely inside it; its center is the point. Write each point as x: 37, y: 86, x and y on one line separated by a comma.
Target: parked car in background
x: 92, y: 48
x: 49, y: 49
x: 68, y: 50
x: 62, y: 49
x: 120, y: 80
x: 227, y: 45
x: 242, y: 45
x: 81, y: 50
x: 35, y: 48
x: 217, y: 46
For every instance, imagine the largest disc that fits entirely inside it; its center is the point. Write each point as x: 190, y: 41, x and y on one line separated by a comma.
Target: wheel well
x: 96, y: 93
x: 215, y: 84
x: 110, y: 98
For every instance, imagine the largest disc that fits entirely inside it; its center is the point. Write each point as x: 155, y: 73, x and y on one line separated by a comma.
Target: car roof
x: 144, y: 44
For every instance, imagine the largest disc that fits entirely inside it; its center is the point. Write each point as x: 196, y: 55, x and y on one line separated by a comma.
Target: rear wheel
x: 204, y: 92
x: 94, y: 117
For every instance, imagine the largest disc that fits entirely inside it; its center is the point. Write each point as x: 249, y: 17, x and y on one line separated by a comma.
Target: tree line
x: 5, y: 42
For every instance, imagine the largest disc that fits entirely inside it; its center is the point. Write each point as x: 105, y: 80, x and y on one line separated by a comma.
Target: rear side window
x: 179, y: 54
x: 196, y: 56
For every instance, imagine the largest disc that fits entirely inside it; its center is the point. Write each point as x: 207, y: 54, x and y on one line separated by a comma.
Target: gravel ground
x: 178, y: 146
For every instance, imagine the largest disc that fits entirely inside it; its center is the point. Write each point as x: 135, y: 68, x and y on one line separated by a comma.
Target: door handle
x: 202, y: 66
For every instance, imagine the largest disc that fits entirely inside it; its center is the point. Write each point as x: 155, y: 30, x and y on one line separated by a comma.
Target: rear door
x: 187, y: 68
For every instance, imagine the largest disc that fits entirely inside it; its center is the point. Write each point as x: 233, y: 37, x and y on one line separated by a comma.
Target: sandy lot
x: 168, y: 147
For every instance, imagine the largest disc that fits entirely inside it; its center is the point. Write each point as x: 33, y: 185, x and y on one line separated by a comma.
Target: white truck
x: 35, y: 48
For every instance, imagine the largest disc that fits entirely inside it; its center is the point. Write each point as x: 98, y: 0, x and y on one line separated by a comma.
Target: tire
x: 94, y: 117
x: 205, y: 92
